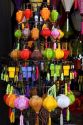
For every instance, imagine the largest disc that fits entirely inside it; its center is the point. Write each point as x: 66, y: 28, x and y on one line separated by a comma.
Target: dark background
x: 5, y: 47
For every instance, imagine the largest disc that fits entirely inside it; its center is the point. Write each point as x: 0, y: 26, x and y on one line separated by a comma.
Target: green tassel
x: 8, y: 89
x: 2, y: 76
x: 68, y: 114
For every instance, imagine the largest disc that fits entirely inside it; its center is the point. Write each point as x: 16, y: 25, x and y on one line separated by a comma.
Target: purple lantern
x: 21, y: 103
x: 18, y: 4
x: 80, y: 3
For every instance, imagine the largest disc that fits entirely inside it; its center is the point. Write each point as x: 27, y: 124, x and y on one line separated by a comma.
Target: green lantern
x: 18, y: 33
x: 58, y: 68
x: 48, y: 53
x: 71, y: 97
x: 54, y: 15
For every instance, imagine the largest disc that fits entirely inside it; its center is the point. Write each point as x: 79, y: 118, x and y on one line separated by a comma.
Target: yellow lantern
x: 59, y: 53
x: 66, y: 69
x: 11, y: 71
x: 50, y: 104
x: 45, y: 13
x: 61, y: 34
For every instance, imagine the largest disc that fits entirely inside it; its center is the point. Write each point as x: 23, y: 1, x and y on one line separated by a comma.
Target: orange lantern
x: 15, y: 54
x: 19, y: 16
x: 35, y: 33
x: 36, y: 103
x: 45, y: 13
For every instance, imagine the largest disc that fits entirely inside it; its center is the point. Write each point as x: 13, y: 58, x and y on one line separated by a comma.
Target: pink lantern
x: 55, y: 33
x: 21, y: 103
x: 80, y: 3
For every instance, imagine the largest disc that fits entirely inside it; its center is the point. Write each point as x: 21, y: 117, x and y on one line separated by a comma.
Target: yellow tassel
x: 49, y: 120
x: 12, y: 117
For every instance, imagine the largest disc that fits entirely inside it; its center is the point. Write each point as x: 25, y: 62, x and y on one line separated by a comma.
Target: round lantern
x: 26, y: 32
x: 36, y: 55
x: 54, y: 15
x: 10, y: 100
x: 50, y: 104
x: 55, y: 33
x: 48, y: 53
x: 61, y: 34
x: 45, y: 13
x: 63, y: 102
x: 45, y: 32
x: 25, y: 54
x: 59, y: 53
x: 19, y: 16
x: 28, y: 13
x: 35, y: 33
x: 15, y: 54
x: 71, y: 97
x: 21, y: 103
x: 36, y: 103
x: 18, y: 33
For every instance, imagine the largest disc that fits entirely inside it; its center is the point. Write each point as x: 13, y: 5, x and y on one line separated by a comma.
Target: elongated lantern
x: 80, y: 2
x: 67, y: 4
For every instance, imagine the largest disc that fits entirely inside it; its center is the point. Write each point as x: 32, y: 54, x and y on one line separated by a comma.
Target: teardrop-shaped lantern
x: 28, y: 13
x: 50, y: 104
x: 67, y: 4
x: 26, y: 32
x: 18, y: 34
x: 15, y: 54
x: 36, y: 103
x: 54, y: 15
x: 45, y: 13
x: 19, y: 16
x: 35, y: 33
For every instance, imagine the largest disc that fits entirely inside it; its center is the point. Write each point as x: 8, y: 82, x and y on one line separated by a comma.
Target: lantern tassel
x: 37, y: 119
x: 49, y: 120
x: 12, y: 117
x: 61, y: 118
x: 68, y: 114
x: 21, y: 120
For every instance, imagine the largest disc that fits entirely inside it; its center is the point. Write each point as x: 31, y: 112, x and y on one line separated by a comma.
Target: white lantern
x: 67, y: 4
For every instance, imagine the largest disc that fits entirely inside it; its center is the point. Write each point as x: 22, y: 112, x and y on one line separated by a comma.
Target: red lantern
x: 66, y: 54
x: 25, y: 54
x: 46, y: 32
x: 28, y: 13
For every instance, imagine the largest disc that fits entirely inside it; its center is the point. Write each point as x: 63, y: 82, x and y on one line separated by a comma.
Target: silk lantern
x: 71, y: 97
x: 18, y: 34
x: 66, y: 69
x: 67, y: 4
x: 45, y: 13
x: 36, y: 104
x: 21, y: 103
x: 25, y: 54
x: 48, y: 53
x: 26, y: 32
x: 63, y: 102
x: 11, y: 71
x: 9, y: 100
x: 80, y: 3
x: 28, y: 13
x: 19, y: 16
x: 66, y: 54
x: 35, y: 33
x: 18, y: 4
x: 54, y: 15
x: 55, y: 33
x: 59, y: 53
x: 15, y: 54
x: 50, y: 104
